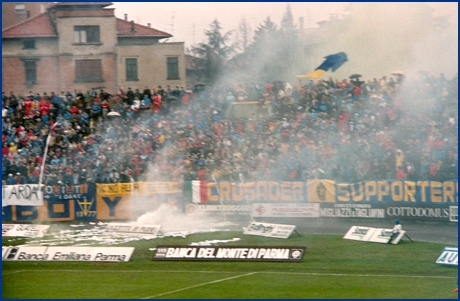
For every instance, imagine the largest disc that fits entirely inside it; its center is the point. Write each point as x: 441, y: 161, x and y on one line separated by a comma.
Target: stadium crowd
x: 348, y: 131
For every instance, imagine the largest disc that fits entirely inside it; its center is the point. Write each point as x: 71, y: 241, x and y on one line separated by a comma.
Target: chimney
x: 301, y: 23
x: 126, y: 17
x: 132, y: 26
x: 148, y: 24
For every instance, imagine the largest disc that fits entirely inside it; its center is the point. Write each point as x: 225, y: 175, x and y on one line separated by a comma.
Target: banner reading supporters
x: 371, y: 199
x: 396, y: 192
x: 22, y: 195
x: 399, y: 192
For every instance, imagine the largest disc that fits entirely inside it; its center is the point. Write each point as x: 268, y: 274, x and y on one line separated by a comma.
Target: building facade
x: 83, y: 46
x: 17, y: 12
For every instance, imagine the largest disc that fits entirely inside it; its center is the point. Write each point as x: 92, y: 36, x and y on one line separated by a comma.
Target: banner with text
x: 230, y: 253
x: 24, y: 230
x: 22, y: 195
x: 43, y: 253
x: 269, y: 230
x: 324, y: 191
x: 449, y: 256
x: 285, y: 210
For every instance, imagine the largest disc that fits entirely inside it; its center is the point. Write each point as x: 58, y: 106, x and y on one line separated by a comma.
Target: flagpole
x: 45, y: 154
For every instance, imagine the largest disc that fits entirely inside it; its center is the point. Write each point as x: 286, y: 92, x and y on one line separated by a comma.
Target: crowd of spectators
x: 348, y: 131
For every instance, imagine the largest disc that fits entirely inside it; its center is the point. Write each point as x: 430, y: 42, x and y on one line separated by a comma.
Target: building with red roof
x: 82, y: 45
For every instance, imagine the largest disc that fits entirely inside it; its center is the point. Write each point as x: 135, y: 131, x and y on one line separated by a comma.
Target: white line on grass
x: 13, y: 272
x: 198, y: 285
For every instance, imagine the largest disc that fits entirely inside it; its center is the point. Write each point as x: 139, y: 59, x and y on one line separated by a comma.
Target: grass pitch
x: 332, y: 268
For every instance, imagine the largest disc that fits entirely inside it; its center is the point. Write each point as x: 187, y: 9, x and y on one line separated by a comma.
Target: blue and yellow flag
x: 332, y: 62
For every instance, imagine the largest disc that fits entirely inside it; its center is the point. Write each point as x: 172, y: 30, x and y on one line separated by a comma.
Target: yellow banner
x: 320, y: 191
x: 113, y: 207
x: 150, y: 188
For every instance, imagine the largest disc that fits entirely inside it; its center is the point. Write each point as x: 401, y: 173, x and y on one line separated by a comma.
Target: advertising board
x: 359, y: 233
x: 453, y: 214
x: 269, y: 230
x: 285, y: 209
x: 386, y: 211
x: 449, y: 256
x: 132, y: 229
x: 24, y: 230
x: 68, y: 253
x: 383, y: 236
x: 370, y: 234
x: 229, y: 253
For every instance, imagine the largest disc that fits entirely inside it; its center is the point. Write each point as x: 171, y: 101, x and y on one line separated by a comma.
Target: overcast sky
x: 187, y: 21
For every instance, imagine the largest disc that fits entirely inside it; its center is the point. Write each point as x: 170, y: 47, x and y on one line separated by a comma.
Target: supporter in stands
x: 350, y: 124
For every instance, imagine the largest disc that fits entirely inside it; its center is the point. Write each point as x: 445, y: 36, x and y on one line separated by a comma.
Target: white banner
x: 4, y: 250
x: 22, y: 195
x: 269, y: 230
x: 373, y: 234
x: 449, y: 256
x: 383, y: 236
x: 359, y: 233
x: 106, y: 254
x: 285, y: 210
x: 120, y: 228
x: 453, y: 214
x: 24, y: 230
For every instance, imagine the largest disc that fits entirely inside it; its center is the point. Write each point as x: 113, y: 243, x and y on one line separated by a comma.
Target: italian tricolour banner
x: 196, y: 191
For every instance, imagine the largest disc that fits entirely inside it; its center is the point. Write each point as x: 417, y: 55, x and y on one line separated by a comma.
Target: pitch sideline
x: 225, y: 272
x: 198, y: 285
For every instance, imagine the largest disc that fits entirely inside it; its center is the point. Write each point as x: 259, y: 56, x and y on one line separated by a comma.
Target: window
x: 173, y: 68
x: 131, y: 69
x: 88, y: 71
x: 29, y: 44
x: 31, y: 70
x: 86, y: 34
x: 20, y: 8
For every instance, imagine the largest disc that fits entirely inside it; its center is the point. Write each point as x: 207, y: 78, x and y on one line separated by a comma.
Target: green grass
x: 332, y: 268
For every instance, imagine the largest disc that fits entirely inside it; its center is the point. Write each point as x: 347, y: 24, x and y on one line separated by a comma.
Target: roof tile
x: 125, y: 29
x: 38, y: 26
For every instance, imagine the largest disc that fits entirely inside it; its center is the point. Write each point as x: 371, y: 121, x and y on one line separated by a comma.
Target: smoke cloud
x: 382, y: 37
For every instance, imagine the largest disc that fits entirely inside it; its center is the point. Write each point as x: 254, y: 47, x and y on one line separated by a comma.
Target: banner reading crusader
x: 370, y: 199
x: 324, y: 191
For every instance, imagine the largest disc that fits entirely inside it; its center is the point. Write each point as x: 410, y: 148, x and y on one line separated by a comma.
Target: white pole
x: 45, y: 154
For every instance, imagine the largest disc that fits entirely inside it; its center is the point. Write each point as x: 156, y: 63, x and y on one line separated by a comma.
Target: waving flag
x: 332, y: 62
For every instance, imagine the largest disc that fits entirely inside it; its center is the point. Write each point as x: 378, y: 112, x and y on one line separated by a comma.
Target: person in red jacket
x: 157, y: 103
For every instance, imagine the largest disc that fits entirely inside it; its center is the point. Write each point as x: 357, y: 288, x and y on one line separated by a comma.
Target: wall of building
x: 13, y: 75
x: 107, y: 29
x: 13, y: 71
x: 152, y: 65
